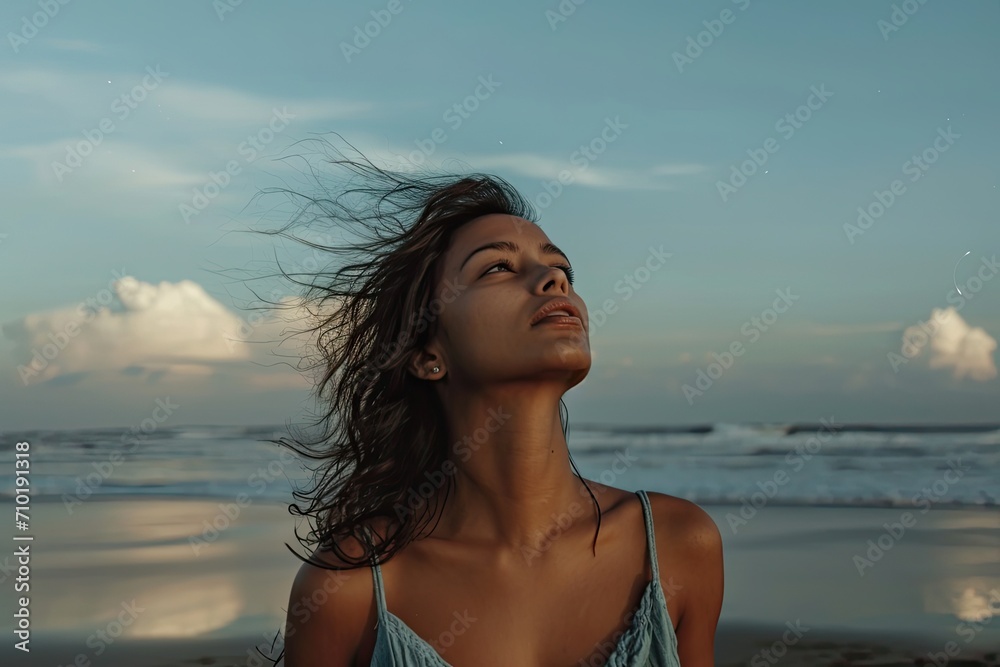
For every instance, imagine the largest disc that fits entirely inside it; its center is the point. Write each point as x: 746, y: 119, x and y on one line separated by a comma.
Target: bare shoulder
x: 677, y: 522
x: 329, y: 606
x: 685, y: 533
x: 685, y: 526
x: 689, y: 553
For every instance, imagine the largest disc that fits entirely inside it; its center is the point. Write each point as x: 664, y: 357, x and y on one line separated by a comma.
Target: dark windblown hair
x: 384, y: 428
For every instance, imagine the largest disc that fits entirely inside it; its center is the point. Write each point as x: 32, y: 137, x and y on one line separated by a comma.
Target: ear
x: 422, y: 365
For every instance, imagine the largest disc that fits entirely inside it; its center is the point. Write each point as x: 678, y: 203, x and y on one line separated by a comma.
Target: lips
x: 553, y: 306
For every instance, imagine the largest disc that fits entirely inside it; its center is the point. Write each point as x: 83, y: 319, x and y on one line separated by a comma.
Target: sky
x: 776, y: 212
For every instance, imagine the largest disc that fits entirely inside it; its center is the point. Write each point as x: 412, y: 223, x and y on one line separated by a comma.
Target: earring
x: 435, y: 369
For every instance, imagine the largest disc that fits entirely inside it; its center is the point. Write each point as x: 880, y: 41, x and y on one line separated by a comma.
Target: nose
x: 553, y: 280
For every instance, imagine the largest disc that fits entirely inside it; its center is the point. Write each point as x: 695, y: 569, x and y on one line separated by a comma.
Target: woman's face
x: 488, y: 298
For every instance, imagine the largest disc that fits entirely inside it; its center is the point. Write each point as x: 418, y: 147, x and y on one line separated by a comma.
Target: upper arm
x: 327, y: 614
x: 697, y: 573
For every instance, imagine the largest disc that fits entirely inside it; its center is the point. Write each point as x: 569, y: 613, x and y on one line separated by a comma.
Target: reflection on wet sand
x: 139, y: 552
x: 150, y: 581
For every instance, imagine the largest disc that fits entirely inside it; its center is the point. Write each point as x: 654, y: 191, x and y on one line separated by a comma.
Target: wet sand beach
x: 120, y: 582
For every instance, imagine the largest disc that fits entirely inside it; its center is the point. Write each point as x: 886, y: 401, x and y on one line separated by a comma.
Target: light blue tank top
x: 648, y: 642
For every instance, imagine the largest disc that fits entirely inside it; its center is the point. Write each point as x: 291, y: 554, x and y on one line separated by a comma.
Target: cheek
x: 490, y: 308
x: 464, y: 323
x: 477, y: 324
x: 487, y: 323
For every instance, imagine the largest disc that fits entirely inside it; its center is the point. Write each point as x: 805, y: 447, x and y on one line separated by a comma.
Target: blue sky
x: 117, y: 115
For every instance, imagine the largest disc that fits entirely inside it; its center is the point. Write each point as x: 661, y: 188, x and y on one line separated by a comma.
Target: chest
x: 584, y: 611
x: 506, y: 636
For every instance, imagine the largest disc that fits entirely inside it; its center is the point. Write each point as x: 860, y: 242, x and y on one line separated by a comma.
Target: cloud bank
x: 148, y: 330
x: 952, y: 344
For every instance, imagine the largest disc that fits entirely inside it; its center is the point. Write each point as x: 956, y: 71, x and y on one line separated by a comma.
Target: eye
x: 504, y: 263
x: 568, y: 270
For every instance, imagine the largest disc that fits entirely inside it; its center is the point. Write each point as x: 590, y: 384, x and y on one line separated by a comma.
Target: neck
x: 514, y: 488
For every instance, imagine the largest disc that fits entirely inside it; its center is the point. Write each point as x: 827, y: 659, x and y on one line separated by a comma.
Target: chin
x: 578, y: 368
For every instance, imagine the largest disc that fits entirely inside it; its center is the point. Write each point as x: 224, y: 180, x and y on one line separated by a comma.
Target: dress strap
x: 647, y: 514
x: 377, y: 578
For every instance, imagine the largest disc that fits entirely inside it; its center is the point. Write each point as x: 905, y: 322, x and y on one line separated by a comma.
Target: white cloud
x: 594, y: 175
x: 813, y: 329
x: 952, y: 344
x: 169, y: 328
x: 126, y: 161
x: 547, y: 168
x: 81, y: 90
x: 42, y: 82
x: 109, y: 168
x: 211, y: 102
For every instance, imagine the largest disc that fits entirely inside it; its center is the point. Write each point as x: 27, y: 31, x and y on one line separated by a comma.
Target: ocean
x: 190, y: 525
x: 825, y: 464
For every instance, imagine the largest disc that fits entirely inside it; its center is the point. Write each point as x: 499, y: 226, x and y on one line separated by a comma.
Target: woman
x: 445, y: 364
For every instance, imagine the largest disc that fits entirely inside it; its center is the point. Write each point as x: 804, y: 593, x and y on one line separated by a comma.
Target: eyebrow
x: 510, y: 246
